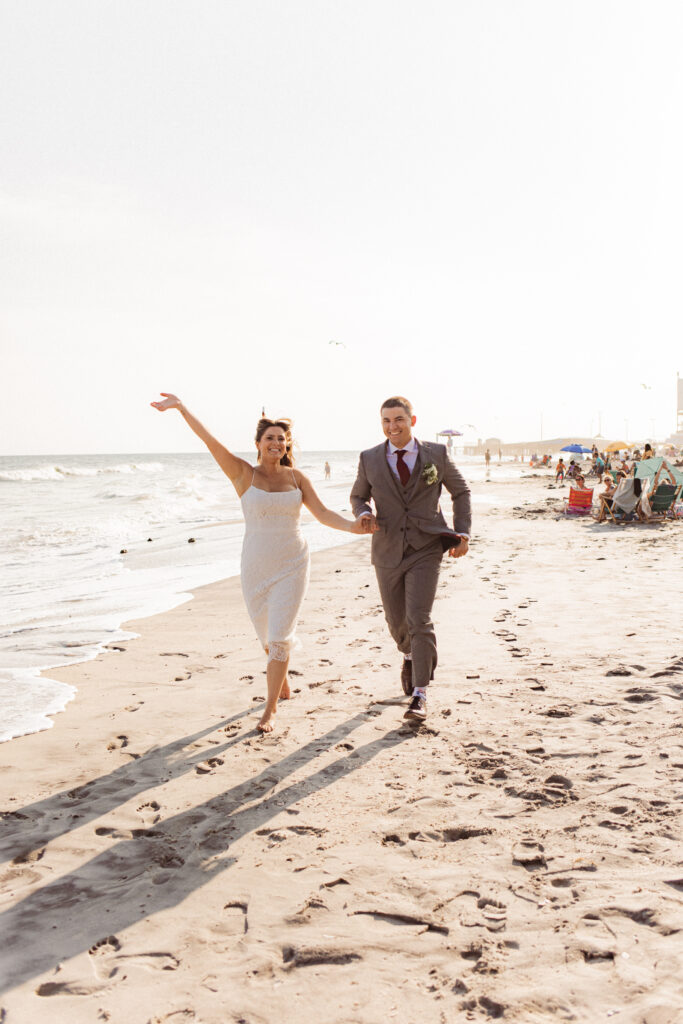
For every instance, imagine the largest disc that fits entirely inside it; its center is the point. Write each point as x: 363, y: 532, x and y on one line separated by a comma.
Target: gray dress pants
x: 408, y: 593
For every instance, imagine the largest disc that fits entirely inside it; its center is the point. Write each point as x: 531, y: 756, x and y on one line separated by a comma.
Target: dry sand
x: 518, y: 858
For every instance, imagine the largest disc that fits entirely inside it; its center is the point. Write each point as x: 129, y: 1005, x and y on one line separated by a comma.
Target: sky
x: 479, y: 200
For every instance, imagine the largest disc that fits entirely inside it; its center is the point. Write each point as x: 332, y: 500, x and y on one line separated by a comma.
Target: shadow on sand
x: 155, y: 868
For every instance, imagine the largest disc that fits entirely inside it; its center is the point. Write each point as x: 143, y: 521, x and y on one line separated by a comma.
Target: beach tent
x: 617, y: 446
x: 647, y: 468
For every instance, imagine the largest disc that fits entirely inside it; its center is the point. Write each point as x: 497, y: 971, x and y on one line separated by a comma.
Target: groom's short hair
x: 397, y: 401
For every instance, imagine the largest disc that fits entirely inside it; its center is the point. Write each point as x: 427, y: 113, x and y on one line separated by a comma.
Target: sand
x: 517, y: 858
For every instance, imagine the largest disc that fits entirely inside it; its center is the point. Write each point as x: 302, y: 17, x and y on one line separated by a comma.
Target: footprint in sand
x: 29, y: 856
x: 118, y: 743
x: 101, y: 954
x: 529, y: 854
x: 150, y: 811
x: 207, y: 767
x: 233, y: 920
x: 558, y: 711
x: 80, y: 793
x: 640, y: 695
x: 120, y: 833
x: 311, y: 956
x: 483, y: 912
x: 107, y: 960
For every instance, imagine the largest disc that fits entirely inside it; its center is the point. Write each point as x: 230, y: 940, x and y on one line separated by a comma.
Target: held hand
x: 368, y: 524
x: 461, y: 549
x: 170, y: 402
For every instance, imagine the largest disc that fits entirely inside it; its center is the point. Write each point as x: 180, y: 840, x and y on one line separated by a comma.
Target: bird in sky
x: 337, y: 343
x: 646, y: 387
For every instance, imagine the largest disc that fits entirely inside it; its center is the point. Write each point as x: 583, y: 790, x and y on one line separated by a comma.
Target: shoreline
x: 39, y: 677
x: 520, y: 854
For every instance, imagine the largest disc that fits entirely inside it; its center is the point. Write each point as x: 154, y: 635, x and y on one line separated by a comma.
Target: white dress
x: 275, y: 566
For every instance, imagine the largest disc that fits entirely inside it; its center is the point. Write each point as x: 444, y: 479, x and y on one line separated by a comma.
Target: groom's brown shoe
x: 417, y: 712
x: 407, y: 676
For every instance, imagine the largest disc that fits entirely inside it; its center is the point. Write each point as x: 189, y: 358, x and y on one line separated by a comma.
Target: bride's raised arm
x: 238, y: 470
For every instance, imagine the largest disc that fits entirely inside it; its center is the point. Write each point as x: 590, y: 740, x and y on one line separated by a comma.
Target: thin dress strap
x: 294, y: 479
x: 253, y: 477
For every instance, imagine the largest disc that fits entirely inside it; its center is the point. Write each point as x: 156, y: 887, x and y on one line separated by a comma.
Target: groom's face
x: 397, y: 425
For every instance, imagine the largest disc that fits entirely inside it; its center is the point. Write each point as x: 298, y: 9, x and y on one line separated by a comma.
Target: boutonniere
x: 430, y: 474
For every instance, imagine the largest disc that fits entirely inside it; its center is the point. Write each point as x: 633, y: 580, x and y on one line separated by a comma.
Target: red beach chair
x: 578, y: 502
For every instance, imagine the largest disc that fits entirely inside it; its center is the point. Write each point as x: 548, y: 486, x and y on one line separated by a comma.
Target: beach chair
x: 578, y: 503
x: 662, y: 502
x: 625, y: 504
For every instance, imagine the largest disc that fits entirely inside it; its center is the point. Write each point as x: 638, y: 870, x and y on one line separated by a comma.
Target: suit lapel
x: 386, y: 469
x: 416, y: 473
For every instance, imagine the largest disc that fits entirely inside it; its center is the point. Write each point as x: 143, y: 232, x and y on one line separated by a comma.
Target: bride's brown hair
x: 286, y: 425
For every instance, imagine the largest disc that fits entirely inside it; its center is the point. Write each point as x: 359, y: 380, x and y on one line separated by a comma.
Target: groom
x: 404, y: 478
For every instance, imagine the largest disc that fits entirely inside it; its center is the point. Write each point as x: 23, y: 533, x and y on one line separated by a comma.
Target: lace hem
x: 277, y: 651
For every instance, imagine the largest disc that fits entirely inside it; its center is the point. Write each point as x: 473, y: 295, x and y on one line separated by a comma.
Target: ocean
x: 93, y: 541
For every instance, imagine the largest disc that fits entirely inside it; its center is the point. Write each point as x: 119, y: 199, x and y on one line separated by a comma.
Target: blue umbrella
x: 576, y: 449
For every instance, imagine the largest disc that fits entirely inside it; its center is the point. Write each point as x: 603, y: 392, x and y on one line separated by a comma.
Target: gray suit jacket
x: 409, y: 514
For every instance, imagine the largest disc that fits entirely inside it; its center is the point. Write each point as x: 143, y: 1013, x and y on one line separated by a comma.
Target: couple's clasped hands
x: 367, y: 524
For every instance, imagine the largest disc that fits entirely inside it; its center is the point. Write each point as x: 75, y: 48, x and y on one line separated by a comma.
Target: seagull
x: 337, y: 343
x: 646, y: 387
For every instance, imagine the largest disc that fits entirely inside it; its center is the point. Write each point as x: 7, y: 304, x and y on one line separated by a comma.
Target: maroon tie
x: 403, y: 471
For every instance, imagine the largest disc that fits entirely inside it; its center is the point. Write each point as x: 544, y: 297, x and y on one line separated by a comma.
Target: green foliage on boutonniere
x: 430, y: 474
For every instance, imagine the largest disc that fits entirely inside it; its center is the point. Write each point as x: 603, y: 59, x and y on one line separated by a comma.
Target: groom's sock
x: 419, y: 691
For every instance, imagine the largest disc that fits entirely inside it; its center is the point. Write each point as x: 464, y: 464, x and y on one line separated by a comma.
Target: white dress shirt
x: 409, y: 458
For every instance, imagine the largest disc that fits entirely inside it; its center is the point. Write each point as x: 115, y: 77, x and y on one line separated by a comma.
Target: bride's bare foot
x: 285, y: 692
x: 267, y: 723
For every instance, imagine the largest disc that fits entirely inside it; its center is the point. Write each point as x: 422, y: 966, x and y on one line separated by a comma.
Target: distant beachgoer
x: 500, y: 455
x: 275, y: 559
x: 560, y: 470
x: 648, y: 453
x: 328, y: 471
x: 487, y: 458
x: 572, y: 469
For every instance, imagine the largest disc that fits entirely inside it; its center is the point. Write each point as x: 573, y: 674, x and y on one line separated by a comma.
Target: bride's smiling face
x: 273, y: 445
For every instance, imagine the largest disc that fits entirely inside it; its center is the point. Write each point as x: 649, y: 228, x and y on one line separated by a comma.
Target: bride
x: 275, y: 559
